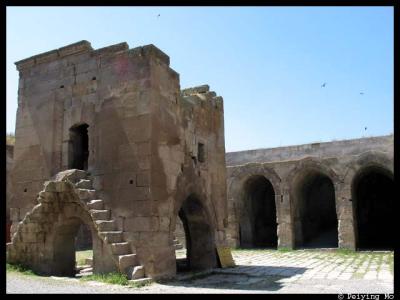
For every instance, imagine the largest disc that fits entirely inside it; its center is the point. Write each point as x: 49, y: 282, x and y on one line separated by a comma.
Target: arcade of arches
x: 314, y: 206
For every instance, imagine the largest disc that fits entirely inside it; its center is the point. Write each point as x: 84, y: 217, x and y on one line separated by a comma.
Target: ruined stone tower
x: 148, y: 154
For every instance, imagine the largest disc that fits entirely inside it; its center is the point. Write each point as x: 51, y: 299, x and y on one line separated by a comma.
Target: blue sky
x: 268, y: 63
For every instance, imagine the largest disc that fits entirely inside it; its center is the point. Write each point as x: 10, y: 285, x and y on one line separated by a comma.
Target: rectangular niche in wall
x: 201, y: 152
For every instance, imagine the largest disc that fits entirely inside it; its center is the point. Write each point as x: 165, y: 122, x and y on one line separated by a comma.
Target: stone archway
x: 64, y: 245
x: 258, y: 224
x: 373, y: 208
x: 369, y: 160
x: 199, y: 236
x: 45, y: 238
x: 237, y: 196
x: 312, y: 189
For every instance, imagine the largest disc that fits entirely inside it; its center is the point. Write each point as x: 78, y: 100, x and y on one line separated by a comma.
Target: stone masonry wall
x: 9, y: 166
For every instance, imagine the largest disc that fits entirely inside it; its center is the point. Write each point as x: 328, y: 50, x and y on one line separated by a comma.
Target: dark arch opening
x: 83, y: 239
x: 258, y: 225
x: 8, y: 228
x: 79, y: 147
x: 199, y: 237
x: 373, y: 206
x: 65, y: 246
x: 315, y: 222
x: 180, y: 244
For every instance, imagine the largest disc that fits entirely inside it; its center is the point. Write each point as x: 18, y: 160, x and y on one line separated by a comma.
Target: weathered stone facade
x: 151, y: 152
x: 335, y: 194
x: 9, y: 166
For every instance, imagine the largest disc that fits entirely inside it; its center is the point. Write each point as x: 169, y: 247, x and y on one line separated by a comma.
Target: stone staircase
x: 107, y: 229
x: 177, y: 244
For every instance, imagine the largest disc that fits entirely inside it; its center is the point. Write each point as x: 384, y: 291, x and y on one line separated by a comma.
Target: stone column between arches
x: 344, y: 211
x: 285, y: 235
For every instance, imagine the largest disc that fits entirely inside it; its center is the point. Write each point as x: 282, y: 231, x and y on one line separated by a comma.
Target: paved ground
x: 258, y: 271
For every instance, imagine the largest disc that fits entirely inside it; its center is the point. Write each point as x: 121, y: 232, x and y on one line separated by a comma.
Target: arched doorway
x: 258, y: 226
x: 79, y: 147
x: 373, y: 206
x: 180, y: 246
x: 199, y: 237
x: 66, y: 261
x: 315, y: 218
x: 83, y: 240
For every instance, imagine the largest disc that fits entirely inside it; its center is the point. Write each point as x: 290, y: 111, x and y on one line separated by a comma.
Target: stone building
x: 106, y: 138
x: 111, y: 151
x: 9, y: 165
x: 334, y: 194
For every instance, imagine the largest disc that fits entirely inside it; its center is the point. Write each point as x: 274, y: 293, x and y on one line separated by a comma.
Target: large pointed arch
x: 312, y: 187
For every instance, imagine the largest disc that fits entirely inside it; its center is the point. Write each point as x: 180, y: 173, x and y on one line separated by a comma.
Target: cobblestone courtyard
x: 257, y: 271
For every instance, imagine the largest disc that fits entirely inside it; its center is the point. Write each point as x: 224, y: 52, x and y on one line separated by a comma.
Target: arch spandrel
x: 365, y: 160
x: 309, y: 164
x: 242, y: 173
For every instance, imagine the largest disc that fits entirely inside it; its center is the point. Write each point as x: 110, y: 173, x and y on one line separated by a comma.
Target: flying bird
x: 323, y: 85
x: 365, y: 128
x: 361, y: 93
x: 158, y: 15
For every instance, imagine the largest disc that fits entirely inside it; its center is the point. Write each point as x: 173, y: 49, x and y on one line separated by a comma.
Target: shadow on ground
x: 243, y: 277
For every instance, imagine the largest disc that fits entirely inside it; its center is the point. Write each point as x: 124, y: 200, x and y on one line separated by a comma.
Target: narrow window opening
x: 201, y: 152
x: 79, y: 147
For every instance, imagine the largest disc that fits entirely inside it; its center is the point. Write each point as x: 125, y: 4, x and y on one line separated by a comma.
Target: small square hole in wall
x: 25, y: 190
x: 131, y: 181
x: 94, y: 78
x: 61, y: 86
x: 201, y: 152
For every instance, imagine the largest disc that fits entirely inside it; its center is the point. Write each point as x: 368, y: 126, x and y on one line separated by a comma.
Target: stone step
x: 137, y: 272
x: 95, y: 204
x: 178, y: 246
x: 84, y: 184
x: 89, y: 261
x: 104, y: 225
x: 127, y: 260
x: 177, y: 242
x: 73, y: 175
x: 112, y: 236
x: 141, y: 281
x: 80, y: 275
x: 88, y: 269
x: 82, y: 267
x: 86, y: 194
x: 100, y: 214
x: 121, y: 248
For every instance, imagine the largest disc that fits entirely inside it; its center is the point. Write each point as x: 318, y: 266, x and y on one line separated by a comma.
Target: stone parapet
x: 53, y: 55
